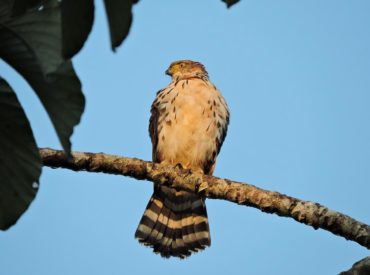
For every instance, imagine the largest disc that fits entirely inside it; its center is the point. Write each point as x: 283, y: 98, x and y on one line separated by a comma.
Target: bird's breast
x: 192, y: 114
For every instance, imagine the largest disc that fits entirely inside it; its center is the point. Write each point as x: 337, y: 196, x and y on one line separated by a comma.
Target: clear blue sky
x: 296, y: 75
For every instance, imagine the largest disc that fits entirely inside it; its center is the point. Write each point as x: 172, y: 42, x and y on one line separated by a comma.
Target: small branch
x: 310, y: 213
x: 358, y: 268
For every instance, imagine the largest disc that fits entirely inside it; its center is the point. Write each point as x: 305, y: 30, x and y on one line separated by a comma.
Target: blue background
x: 296, y: 75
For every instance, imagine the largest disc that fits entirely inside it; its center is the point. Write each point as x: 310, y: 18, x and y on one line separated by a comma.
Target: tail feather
x: 187, y: 231
x: 174, y: 223
x: 160, y: 225
x: 147, y: 223
x: 201, y: 227
x: 161, y: 245
x: 156, y: 233
x: 181, y: 248
x: 186, y: 249
x: 193, y: 241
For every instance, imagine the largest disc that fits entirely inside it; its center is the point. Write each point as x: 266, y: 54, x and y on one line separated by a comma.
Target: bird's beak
x: 168, y: 72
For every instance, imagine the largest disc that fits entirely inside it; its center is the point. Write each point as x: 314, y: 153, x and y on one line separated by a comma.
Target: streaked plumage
x: 188, y: 125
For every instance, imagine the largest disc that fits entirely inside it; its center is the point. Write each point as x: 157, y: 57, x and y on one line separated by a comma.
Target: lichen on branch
x: 309, y: 213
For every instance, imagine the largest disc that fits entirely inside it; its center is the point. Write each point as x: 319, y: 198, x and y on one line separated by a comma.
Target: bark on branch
x: 361, y: 267
x: 310, y: 213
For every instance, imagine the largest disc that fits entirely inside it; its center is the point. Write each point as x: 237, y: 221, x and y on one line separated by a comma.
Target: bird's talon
x: 179, y: 166
x: 203, y: 186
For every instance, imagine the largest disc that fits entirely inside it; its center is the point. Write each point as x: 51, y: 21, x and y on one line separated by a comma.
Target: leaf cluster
x: 38, y: 38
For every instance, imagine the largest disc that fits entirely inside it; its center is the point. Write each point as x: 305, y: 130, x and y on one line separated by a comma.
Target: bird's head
x: 183, y: 69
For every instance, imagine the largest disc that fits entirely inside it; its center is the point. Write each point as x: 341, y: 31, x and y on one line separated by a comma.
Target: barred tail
x: 174, y: 223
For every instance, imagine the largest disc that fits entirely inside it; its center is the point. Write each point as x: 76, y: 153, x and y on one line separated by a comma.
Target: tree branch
x: 358, y: 268
x: 310, y: 213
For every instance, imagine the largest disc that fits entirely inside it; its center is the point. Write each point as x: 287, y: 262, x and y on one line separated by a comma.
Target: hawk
x: 188, y: 124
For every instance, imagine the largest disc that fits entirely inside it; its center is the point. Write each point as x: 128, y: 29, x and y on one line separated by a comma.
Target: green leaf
x: 60, y: 91
x: 229, y: 3
x: 77, y: 21
x: 21, y: 6
x: 40, y: 31
x: 6, y: 7
x: 120, y: 18
x: 20, y: 162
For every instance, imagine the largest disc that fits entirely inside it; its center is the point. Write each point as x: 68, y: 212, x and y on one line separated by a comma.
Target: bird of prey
x: 188, y: 124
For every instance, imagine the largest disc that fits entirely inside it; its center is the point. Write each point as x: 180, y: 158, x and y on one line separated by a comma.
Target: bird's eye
x: 181, y: 65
